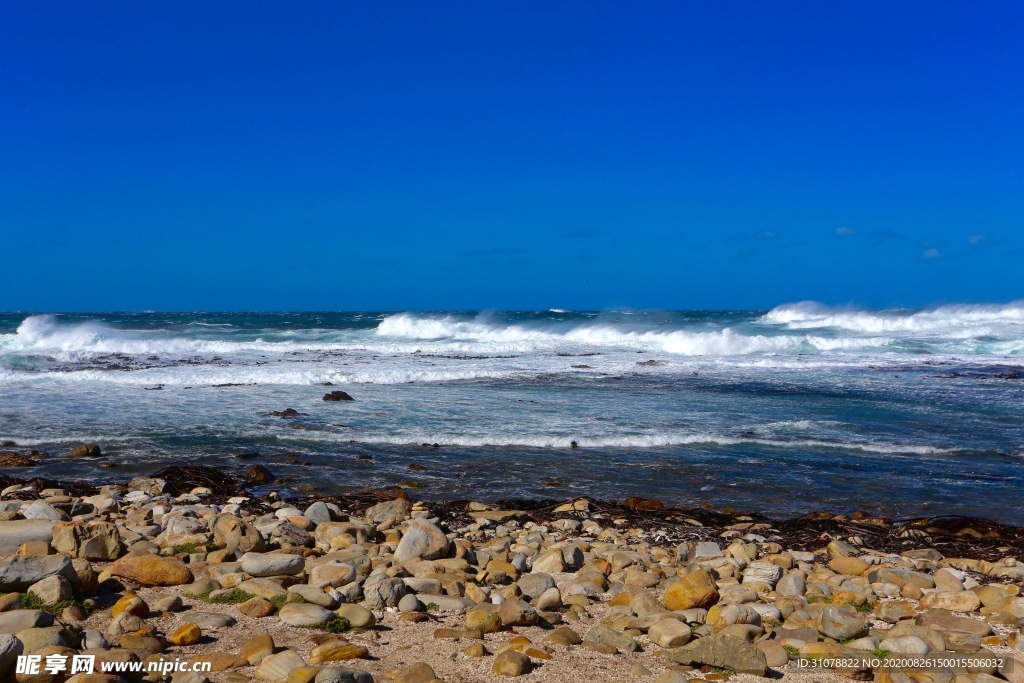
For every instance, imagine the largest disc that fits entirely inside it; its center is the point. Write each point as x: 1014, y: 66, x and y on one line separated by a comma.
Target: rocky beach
x: 379, y: 587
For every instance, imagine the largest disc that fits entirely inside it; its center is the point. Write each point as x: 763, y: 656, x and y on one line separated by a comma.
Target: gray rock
x: 336, y: 675
x: 410, y: 603
x: 841, y: 623
x: 724, y: 652
x: 94, y: 640
x: 909, y: 645
x: 19, y: 572
x: 148, y: 485
x: 41, y: 510
x: 20, y: 619
x: 532, y: 585
x: 791, y: 586
x: 34, y: 638
x: 172, y: 603
x: 446, y: 603
x: 763, y: 573
x: 304, y: 614
x: 606, y: 635
x: 384, y: 593
x: 53, y: 589
x: 422, y: 540
x: 318, y: 513
x: 15, y: 533
x: 314, y: 595
x: 268, y: 564
x: 208, y: 621
x: 10, y: 649
x: 98, y: 541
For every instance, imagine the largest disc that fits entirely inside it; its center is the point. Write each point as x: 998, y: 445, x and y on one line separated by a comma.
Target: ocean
x: 797, y: 409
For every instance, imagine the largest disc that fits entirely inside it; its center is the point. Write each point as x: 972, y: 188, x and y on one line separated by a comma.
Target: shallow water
x: 797, y: 409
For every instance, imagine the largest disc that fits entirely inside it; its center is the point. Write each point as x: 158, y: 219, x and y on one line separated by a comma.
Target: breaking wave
x: 958, y: 320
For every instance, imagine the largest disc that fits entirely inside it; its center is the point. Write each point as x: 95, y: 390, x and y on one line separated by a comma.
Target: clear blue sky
x: 271, y: 155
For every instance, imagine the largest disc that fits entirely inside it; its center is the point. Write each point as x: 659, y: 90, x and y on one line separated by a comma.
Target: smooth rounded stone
x: 201, y: 587
x: 17, y: 532
x: 410, y: 603
x: 848, y: 565
x: 909, y: 628
x: 947, y: 622
x: 73, y: 613
x: 958, y: 601
x: 766, y: 611
x: 512, y: 663
x: 357, y: 616
x: 894, y: 611
x: 606, y: 635
x: 141, y: 645
x: 19, y: 572
x: 671, y: 677
x: 339, y: 650
x: 747, y: 632
x: 171, y: 603
x: 10, y: 649
x: 152, y: 570
x: 532, y: 585
x: 52, y: 589
x: 94, y: 640
x: 947, y: 579
x: 315, y: 595
x: 20, y: 619
x: 209, y: 621
x: 186, y: 634
x: 775, y: 654
x: 272, y: 564
x: 336, y: 675
x: 696, y: 589
x: 516, y: 612
x: 132, y: 603
x: 476, y: 650
x: 446, y: 603
x: 34, y: 638
x: 318, y: 513
x: 232, y: 533
x: 257, y: 648
x: 841, y: 623
x: 910, y: 645
x: 638, y: 670
x: 275, y: 668
x: 669, y: 633
x: 791, y: 585
x: 304, y: 614
x: 549, y: 562
x: 736, y: 594
x: 334, y: 574
x: 563, y: 637
x: 419, y: 672
x: 384, y: 593
x: 483, y: 620
x: 549, y: 601
x: 840, y: 549
x: 417, y: 585
x: 422, y: 540
x: 764, y: 573
x: 725, y: 652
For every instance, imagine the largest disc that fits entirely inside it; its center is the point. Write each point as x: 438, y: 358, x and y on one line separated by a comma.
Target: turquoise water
x: 786, y: 411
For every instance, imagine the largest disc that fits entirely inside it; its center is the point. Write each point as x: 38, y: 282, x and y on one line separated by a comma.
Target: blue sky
x: 333, y: 156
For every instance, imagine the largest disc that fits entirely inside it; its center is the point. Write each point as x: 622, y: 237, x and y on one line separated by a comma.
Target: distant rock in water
x: 12, y: 459
x: 337, y: 396
x: 86, y: 450
x: 258, y: 474
x: 288, y: 412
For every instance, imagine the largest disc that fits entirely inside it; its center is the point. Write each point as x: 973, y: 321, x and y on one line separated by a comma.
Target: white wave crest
x: 958, y: 320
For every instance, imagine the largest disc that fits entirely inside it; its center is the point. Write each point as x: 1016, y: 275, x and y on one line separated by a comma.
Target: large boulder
x: 85, y: 450
x: 234, y: 534
x: 724, y: 652
x: 272, y: 564
x: 16, y: 532
x: 99, y: 541
x: 17, y: 620
x: 422, y: 540
x: 152, y: 570
x: 18, y: 572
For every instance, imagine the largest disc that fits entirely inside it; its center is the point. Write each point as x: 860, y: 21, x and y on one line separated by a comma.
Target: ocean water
x: 786, y: 411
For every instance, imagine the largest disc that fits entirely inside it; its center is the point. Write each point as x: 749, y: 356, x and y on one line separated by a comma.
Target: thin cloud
x: 975, y: 240
x: 843, y: 231
x: 930, y: 254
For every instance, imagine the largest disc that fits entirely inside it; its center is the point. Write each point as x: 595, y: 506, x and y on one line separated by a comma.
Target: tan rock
x: 186, y: 634
x: 696, y: 589
x: 152, y: 570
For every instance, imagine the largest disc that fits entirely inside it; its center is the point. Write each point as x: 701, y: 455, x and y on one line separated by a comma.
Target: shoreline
x: 376, y: 587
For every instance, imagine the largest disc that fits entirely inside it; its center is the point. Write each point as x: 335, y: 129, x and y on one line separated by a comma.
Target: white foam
x: 975, y: 319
